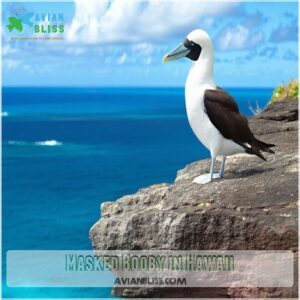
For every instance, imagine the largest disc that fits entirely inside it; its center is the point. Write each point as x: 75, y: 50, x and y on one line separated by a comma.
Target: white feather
x: 200, y: 78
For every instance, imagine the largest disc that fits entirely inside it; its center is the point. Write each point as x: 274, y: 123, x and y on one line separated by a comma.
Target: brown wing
x: 223, y: 112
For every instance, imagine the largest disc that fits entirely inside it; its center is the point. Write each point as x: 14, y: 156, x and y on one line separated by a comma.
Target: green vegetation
x: 284, y: 92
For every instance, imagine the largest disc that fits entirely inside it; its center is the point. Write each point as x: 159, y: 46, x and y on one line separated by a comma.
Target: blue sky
x: 122, y: 42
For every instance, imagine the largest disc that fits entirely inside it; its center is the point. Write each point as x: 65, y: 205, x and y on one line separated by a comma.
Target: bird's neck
x: 201, y: 71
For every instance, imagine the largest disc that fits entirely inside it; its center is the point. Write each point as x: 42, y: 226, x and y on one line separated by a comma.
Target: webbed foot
x: 205, y: 178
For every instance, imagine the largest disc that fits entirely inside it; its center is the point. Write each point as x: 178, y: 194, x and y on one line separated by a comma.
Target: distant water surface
x: 66, y: 150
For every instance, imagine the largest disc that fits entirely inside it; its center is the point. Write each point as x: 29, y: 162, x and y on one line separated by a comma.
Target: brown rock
x: 253, y: 207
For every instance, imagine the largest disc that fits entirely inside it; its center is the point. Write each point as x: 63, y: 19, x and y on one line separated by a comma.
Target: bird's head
x: 192, y: 46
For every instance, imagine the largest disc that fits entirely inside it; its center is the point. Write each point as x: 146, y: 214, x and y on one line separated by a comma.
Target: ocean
x: 67, y: 150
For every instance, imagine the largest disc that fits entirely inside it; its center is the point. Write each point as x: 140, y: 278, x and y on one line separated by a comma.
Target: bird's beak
x: 179, y: 52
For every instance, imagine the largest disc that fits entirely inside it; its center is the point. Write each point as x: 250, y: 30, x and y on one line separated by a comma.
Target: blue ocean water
x: 66, y: 150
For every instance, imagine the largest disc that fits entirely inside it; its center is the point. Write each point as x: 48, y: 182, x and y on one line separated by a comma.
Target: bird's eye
x: 188, y: 44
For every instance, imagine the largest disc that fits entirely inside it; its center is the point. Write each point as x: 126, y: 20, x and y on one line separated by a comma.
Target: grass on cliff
x: 288, y: 91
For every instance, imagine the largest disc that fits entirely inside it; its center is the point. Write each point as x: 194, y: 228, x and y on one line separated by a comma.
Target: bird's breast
x: 198, y: 119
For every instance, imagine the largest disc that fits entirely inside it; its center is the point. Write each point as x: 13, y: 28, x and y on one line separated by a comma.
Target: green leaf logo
x: 14, y: 24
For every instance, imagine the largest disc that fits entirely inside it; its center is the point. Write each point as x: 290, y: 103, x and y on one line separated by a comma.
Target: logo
x: 41, y: 25
x: 14, y: 24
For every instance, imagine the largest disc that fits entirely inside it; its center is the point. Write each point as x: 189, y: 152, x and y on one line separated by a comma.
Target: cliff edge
x: 253, y: 207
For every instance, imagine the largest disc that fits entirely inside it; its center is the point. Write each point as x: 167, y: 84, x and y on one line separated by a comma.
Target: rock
x: 253, y: 207
x: 286, y: 111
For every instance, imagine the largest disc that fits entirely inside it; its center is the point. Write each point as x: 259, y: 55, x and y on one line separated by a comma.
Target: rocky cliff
x: 253, y: 207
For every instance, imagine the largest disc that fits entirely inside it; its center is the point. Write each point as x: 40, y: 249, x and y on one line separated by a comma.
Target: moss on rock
x: 284, y: 92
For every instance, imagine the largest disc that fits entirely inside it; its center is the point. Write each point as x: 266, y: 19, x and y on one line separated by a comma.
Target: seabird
x: 212, y: 113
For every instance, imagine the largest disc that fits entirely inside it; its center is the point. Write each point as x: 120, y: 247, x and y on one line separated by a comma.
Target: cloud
x: 12, y: 64
x: 238, y: 37
x: 254, y: 20
x: 28, y: 69
x: 122, y: 59
x: 148, y: 60
x: 7, y: 50
x: 143, y: 48
x: 289, y: 15
x: 126, y: 21
x: 285, y: 33
x: 268, y: 52
x: 242, y: 33
x: 290, y: 55
x: 75, y: 50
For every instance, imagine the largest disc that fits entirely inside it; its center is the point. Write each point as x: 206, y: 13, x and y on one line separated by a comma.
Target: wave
x: 50, y: 143
x: 16, y: 143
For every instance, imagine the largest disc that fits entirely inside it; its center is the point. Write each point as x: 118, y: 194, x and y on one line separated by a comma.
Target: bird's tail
x: 10, y: 27
x: 257, y: 146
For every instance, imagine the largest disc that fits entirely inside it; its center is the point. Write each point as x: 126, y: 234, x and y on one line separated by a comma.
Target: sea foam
x: 50, y: 143
x: 16, y: 143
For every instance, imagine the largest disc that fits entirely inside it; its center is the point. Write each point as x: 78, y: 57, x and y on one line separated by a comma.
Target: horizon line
x: 126, y: 87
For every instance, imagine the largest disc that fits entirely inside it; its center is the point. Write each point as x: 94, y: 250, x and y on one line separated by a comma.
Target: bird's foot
x: 205, y: 178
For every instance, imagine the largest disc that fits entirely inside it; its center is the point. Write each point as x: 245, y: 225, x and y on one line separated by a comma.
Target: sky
x: 122, y: 42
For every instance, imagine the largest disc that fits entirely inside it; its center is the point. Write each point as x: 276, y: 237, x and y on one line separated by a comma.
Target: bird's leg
x: 221, y: 173
x: 205, y: 178
x: 212, y: 165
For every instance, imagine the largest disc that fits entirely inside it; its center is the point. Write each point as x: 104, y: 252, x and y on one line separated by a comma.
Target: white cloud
x: 7, y: 49
x: 75, y: 50
x: 122, y: 59
x: 238, y: 37
x: 119, y: 21
x: 143, y: 48
x: 245, y: 34
x: 12, y: 64
x: 148, y: 60
x: 28, y: 69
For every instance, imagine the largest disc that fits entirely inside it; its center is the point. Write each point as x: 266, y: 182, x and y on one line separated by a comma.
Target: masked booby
x: 212, y: 113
